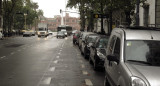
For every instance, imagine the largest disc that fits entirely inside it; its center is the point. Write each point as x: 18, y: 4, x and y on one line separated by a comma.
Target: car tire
x: 95, y: 67
x: 90, y: 61
x: 106, y: 83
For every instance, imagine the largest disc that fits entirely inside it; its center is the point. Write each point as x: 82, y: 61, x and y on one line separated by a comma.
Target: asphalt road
x: 33, y: 61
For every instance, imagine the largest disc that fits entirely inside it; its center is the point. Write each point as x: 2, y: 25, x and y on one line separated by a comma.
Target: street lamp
x: 25, y: 15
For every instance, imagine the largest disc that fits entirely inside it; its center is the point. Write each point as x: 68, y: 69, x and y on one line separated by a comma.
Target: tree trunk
x: 128, y: 18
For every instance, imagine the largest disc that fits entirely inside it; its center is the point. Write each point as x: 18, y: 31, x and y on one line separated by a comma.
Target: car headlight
x: 100, y: 54
x: 137, y: 82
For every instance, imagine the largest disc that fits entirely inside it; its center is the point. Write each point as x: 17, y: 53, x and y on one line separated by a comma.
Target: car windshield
x: 143, y: 52
x: 102, y: 43
x: 91, y: 39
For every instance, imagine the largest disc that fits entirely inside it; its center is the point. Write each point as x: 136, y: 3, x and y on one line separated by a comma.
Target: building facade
x: 149, y: 13
x: 53, y: 23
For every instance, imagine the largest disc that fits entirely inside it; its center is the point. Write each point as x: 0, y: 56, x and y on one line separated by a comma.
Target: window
x: 117, y: 48
x: 111, y: 45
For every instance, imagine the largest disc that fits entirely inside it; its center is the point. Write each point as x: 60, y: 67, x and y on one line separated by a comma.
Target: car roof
x: 140, y: 34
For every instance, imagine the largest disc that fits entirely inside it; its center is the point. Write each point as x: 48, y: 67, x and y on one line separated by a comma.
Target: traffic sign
x: 100, y: 16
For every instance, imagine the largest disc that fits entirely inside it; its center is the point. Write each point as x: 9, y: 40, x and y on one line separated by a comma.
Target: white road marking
x: 80, y: 61
x: 66, y: 38
x: 56, y: 61
x: 3, y: 57
x: 52, y: 69
x: 57, y: 57
x: 12, y: 53
x: 46, y: 81
x: 19, y: 50
x: 88, y: 82
x: 83, y: 66
x: 84, y: 72
x: 59, y: 53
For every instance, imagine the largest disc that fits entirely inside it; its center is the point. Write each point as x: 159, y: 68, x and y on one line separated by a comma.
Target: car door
x: 115, y: 65
x: 93, y: 50
x: 107, y: 64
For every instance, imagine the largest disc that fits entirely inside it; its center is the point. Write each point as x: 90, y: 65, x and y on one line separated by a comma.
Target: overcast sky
x: 52, y: 7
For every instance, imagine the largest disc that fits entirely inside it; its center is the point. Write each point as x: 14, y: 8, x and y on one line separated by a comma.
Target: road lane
x: 46, y: 62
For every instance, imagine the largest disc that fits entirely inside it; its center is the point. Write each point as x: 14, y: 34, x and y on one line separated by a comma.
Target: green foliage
x: 13, y: 14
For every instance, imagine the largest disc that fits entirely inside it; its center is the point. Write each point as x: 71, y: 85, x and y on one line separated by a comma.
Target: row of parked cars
x: 92, y: 46
x: 130, y: 55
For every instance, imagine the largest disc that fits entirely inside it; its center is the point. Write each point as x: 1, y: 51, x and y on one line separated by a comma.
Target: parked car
x: 98, y: 51
x: 1, y: 35
x: 33, y: 33
x: 60, y: 34
x: 27, y: 34
x: 89, y: 39
x: 50, y: 32
x: 133, y: 57
x: 75, y: 37
x: 82, y: 38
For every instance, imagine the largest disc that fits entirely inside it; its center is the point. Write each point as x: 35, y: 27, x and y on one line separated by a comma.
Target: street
x: 33, y: 61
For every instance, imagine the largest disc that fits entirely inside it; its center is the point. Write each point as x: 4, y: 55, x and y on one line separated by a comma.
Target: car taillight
x: 74, y: 37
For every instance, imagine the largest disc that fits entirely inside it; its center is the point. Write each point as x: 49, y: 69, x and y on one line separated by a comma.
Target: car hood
x: 150, y: 73
x: 102, y: 50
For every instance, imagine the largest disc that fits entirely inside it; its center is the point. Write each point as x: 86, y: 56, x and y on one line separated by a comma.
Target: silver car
x: 133, y: 57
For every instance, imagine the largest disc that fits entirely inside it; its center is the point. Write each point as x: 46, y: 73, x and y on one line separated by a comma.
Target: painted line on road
x: 82, y: 66
x: 12, y: 53
x: 19, y: 50
x: 46, y: 81
x: 57, y: 57
x: 66, y: 38
x: 80, y: 61
x: 56, y: 61
x: 3, y: 57
x: 52, y: 69
x: 88, y: 82
x: 85, y: 72
x: 59, y: 53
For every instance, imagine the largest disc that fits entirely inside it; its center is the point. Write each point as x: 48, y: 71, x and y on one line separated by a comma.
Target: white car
x: 1, y: 35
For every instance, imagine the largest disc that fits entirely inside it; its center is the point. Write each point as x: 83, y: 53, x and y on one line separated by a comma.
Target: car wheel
x: 95, y: 65
x: 90, y: 61
x: 106, y: 83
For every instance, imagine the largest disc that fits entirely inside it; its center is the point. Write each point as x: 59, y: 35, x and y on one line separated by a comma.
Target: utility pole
x: 137, y: 13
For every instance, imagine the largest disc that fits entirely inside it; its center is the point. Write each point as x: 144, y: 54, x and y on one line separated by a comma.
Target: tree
x: 87, y: 8
x: 13, y: 14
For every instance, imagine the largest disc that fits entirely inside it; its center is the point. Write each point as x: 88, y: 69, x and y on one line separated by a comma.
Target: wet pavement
x: 33, y: 61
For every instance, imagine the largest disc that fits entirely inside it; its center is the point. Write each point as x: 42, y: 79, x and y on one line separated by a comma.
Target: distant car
x: 50, y: 32
x: 82, y: 38
x: 86, y: 44
x: 60, y: 34
x: 98, y: 51
x: 1, y: 35
x: 33, y: 33
x: 27, y: 34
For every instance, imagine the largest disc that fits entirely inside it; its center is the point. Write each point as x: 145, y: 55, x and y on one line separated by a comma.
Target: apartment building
x: 53, y: 23
x: 149, y: 13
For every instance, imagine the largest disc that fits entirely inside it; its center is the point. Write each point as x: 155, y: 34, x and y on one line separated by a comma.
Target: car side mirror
x: 112, y: 58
